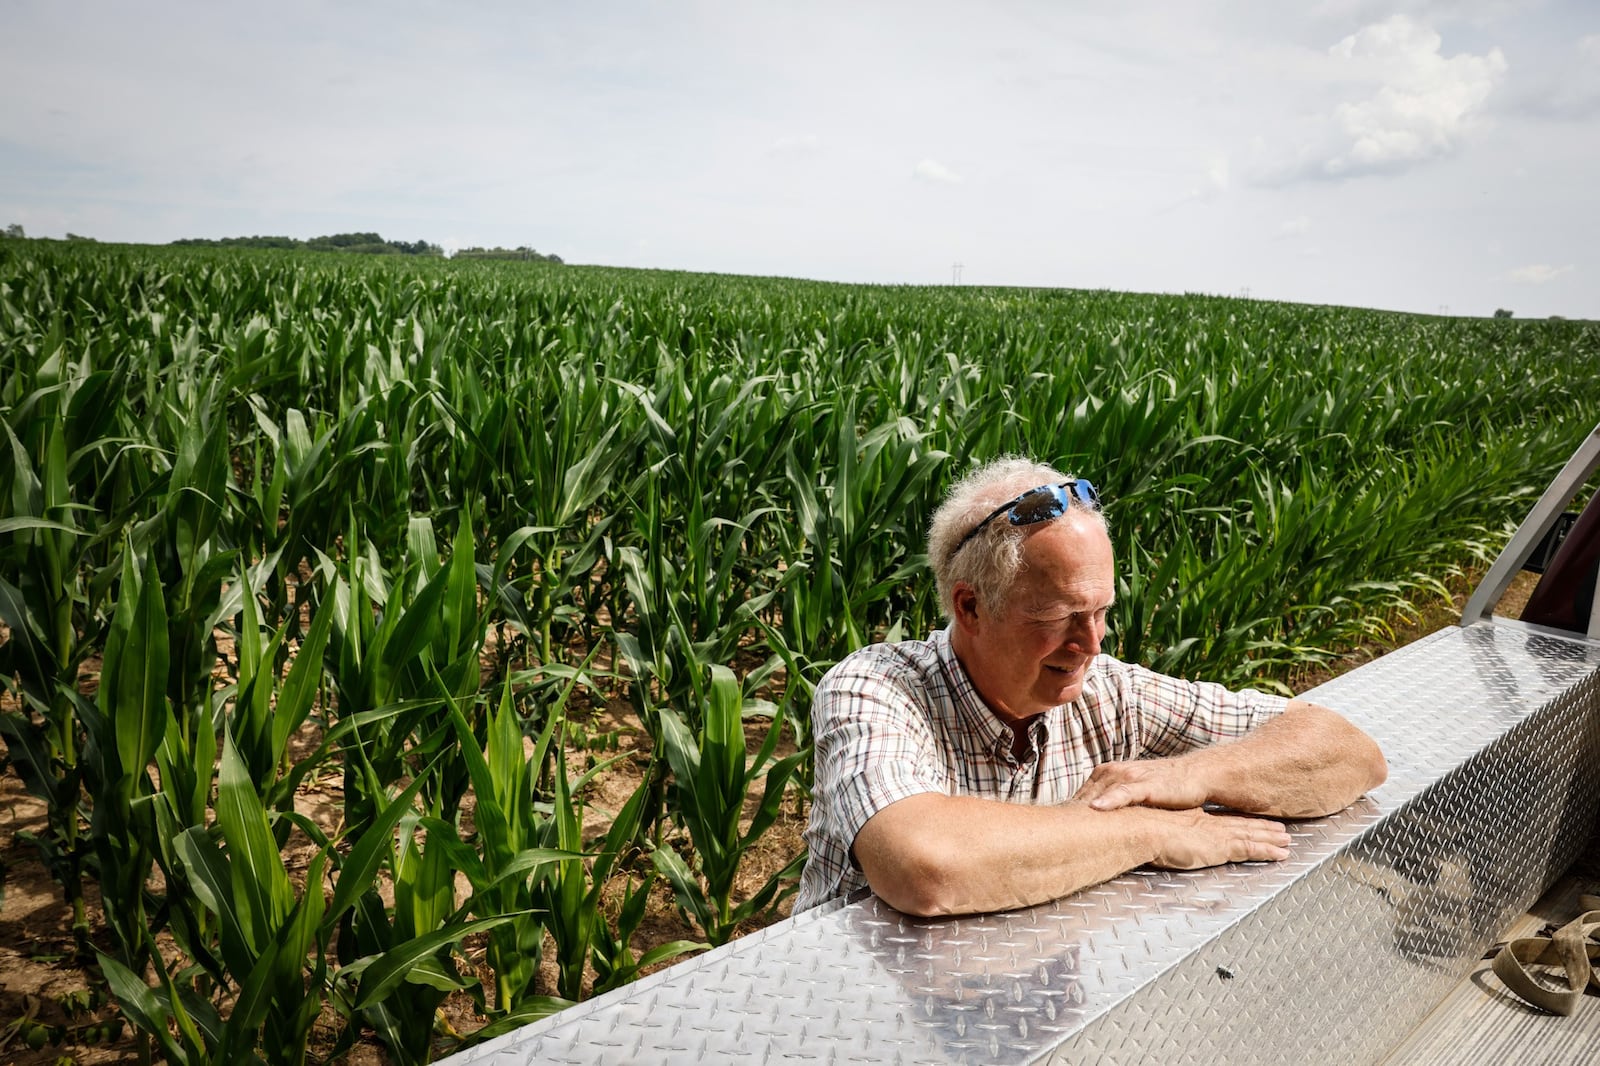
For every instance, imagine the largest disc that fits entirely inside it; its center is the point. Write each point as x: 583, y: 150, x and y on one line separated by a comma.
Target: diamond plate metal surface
x: 1493, y: 739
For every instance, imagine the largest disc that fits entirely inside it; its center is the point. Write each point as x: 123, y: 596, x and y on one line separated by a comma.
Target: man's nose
x: 1084, y: 637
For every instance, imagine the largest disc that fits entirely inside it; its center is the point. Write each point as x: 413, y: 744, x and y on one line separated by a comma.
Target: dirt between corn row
x: 38, y: 978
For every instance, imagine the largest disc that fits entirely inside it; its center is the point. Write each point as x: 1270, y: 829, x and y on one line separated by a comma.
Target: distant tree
x: 345, y: 241
x: 1502, y: 313
x: 522, y: 252
x: 79, y: 237
x: 14, y: 231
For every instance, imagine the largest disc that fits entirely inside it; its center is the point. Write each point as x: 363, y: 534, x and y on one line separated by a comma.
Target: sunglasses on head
x: 1038, y: 505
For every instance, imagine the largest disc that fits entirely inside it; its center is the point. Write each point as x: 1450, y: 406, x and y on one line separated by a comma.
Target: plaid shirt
x: 895, y: 720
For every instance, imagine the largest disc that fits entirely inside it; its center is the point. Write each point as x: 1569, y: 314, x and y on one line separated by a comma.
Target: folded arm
x: 1307, y: 762
x: 938, y: 854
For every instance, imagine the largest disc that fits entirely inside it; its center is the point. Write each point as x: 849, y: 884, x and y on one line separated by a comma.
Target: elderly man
x: 1004, y: 761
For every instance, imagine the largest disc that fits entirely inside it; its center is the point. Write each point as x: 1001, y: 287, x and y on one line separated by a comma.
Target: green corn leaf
x: 27, y: 652
x: 300, y: 687
x: 691, y: 897
x: 507, y: 773
x: 134, y: 676
x: 360, y: 867
x: 240, y: 1032
x: 206, y: 868
x: 683, y: 754
x: 423, y: 882
x: 670, y: 950
x: 142, y: 1006
x: 529, y: 1010
x: 433, y: 974
x: 27, y: 495
x: 380, y: 975
x: 12, y: 525
x: 418, y: 624
x: 422, y: 548
x: 260, y: 882
x: 277, y: 982
x: 251, y: 727
x: 461, y: 631
x: 203, y: 1015
x: 771, y: 803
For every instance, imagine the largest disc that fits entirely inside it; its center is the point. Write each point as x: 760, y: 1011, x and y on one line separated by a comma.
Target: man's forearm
x: 938, y: 854
x: 1307, y: 762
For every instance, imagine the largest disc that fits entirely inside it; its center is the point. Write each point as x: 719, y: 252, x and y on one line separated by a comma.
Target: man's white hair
x: 990, y: 561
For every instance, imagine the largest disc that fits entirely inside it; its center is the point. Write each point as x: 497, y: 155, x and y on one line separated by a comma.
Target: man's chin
x: 1065, y: 691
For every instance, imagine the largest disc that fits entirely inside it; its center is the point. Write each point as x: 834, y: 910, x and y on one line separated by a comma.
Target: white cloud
x: 1217, y: 172
x: 933, y: 170
x: 1294, y: 227
x: 804, y: 144
x: 1424, y: 101
x: 1539, y: 273
x: 1215, y: 179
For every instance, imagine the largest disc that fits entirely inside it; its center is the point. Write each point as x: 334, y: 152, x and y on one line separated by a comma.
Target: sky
x: 1438, y: 157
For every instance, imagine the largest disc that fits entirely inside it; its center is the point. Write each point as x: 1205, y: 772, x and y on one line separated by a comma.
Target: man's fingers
x: 1118, y: 784
x: 1161, y: 783
x: 1268, y: 847
x: 1265, y: 840
x: 1203, y: 839
x: 1113, y: 796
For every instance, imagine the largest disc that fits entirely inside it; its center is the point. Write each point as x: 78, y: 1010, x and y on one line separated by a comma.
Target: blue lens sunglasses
x: 1038, y: 505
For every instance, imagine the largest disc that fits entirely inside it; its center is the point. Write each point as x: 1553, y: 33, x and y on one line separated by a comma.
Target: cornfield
x: 269, y: 518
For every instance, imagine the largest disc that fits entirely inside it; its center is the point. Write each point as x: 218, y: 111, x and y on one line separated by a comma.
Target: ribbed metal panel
x: 1493, y: 738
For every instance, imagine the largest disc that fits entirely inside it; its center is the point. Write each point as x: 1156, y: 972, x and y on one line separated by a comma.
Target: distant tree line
x: 15, y: 232
x: 366, y: 244
x: 362, y: 243
x: 523, y: 252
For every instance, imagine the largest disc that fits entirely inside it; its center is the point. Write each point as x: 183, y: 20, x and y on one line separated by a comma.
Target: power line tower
x: 955, y: 273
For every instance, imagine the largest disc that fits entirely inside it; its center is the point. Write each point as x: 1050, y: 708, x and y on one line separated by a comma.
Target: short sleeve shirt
x: 895, y: 720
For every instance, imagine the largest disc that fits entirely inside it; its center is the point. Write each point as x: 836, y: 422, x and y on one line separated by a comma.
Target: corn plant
x: 571, y: 894
x: 401, y: 652
x: 509, y: 860
x: 713, y: 775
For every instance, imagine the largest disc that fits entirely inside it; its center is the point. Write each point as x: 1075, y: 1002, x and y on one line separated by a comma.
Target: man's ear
x: 964, y: 600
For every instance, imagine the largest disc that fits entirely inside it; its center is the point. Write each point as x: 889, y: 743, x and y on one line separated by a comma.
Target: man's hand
x: 1164, y: 783
x: 1195, y: 838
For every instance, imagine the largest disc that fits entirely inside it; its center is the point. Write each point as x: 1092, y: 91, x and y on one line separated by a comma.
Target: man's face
x: 1035, y: 654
